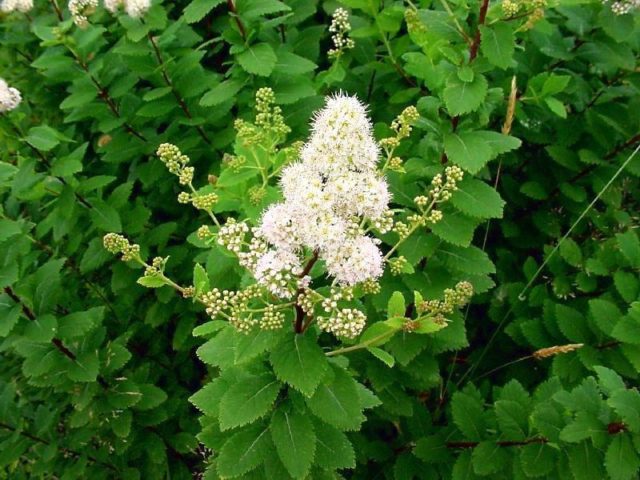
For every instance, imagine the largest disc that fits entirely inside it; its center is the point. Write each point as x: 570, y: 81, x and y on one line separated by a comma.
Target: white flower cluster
x: 81, y: 9
x: 134, y: 8
x: 340, y: 27
x: 9, y: 6
x: 622, y: 7
x: 327, y: 195
x: 10, y: 97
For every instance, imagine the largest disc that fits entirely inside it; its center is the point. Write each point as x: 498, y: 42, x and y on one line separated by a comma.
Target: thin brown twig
x: 169, y: 83
x: 234, y: 13
x: 300, y: 314
x: 75, y: 453
x: 59, y: 344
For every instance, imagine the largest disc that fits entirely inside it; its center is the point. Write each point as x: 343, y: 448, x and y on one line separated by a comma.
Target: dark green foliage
x: 104, y: 378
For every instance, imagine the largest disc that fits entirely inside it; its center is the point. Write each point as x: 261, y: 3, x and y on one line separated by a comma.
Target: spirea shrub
x: 310, y: 239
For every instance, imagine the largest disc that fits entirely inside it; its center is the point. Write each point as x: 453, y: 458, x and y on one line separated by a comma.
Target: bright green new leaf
x: 246, y: 401
x: 293, y: 435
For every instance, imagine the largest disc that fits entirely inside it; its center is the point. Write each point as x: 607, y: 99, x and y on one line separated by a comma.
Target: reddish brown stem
x: 62, y: 449
x: 473, y: 53
x: 60, y: 346
x: 169, y: 83
x: 234, y: 13
x: 299, y: 327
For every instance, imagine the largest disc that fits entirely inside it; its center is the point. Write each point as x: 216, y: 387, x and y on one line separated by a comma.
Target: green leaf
x: 247, y: 400
x: 85, y: 368
x: 79, y: 324
x: 244, y: 451
x: 152, y: 397
x: 538, y: 460
x: 291, y: 64
x: 629, y: 245
x: 43, y: 137
x: 105, y: 217
x: 42, y: 329
x: 488, y: 457
x: 9, y: 314
x: 396, y: 306
x: 152, y: 281
x: 472, y: 150
x: 586, y: 462
x: 465, y: 97
x: 221, y: 93
x: 497, y: 44
x: 469, y: 260
x: 455, y: 228
x: 626, y: 404
x: 571, y: 253
x: 383, y: 356
x: 621, y: 459
x: 337, y: 402
x: 477, y: 199
x: 200, y: 280
x: 295, y: 441
x: 258, y: 59
x: 468, y: 415
x: 605, y: 313
x: 583, y: 427
x: 197, y: 9
x: 428, y: 325
x: 556, y: 106
x: 299, y: 361
x: 333, y: 449
x: 628, y: 328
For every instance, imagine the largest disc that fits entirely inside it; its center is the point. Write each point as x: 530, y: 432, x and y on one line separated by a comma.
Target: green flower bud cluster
x: 233, y: 162
x: 454, y: 298
x: 175, y: 161
x: 269, y: 127
x: 347, y: 322
x: 116, y: 243
x: 156, y: 267
x: 402, y: 124
x: 397, y: 265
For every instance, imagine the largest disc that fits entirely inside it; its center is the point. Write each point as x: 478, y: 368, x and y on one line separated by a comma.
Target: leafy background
x: 102, y: 378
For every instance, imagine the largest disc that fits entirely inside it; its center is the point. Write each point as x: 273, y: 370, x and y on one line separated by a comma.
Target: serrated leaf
x: 468, y: 415
x: 605, y: 313
x: 477, y: 199
x: 488, y: 457
x: 246, y: 401
x: 299, y: 361
x: 293, y: 435
x: 621, y: 459
x: 464, y: 97
x: 629, y: 245
x: 537, y: 460
x: 258, y: 59
x: 455, y: 228
x: 471, y: 260
x: 197, y: 9
x: 497, y: 43
x: 244, y: 451
x: 200, y: 279
x: 626, y: 404
x: 383, y: 356
x: 396, y: 306
x: 337, y: 402
x: 221, y: 93
x: 472, y: 150
x: 333, y: 449
x: 581, y: 428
